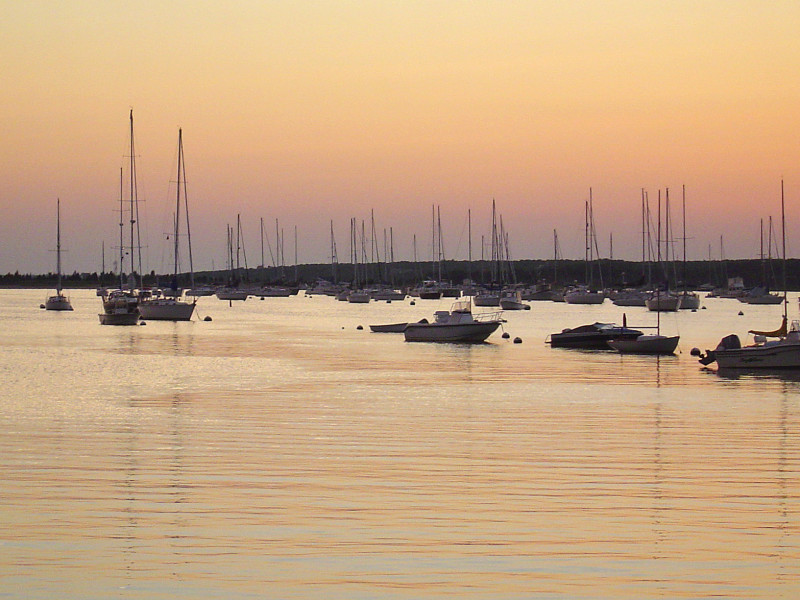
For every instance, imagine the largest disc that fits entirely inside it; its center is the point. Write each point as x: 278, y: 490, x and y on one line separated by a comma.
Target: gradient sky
x: 316, y: 111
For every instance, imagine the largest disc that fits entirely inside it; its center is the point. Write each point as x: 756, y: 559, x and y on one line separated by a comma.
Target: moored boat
x: 455, y: 325
x: 591, y: 337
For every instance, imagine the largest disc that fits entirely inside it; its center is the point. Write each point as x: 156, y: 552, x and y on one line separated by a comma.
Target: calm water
x: 280, y: 452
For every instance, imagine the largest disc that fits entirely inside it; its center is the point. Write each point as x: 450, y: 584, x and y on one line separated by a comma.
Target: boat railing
x: 488, y: 316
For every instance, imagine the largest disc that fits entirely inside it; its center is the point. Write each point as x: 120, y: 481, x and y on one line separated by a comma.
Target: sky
x: 312, y: 112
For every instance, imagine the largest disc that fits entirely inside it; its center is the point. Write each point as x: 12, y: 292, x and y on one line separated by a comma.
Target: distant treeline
x: 611, y: 274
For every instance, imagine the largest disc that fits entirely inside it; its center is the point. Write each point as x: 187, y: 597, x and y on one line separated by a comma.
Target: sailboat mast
x: 177, y: 210
x: 783, y: 252
x: 58, y: 243
x: 121, y: 231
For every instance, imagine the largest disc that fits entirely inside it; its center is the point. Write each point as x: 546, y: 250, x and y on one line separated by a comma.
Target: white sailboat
x: 172, y: 308
x: 584, y: 294
x: 59, y: 301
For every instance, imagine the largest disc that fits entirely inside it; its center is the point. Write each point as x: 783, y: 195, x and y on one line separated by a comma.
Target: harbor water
x: 282, y: 450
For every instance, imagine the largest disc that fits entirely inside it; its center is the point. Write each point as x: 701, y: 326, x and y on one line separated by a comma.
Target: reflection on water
x: 278, y: 451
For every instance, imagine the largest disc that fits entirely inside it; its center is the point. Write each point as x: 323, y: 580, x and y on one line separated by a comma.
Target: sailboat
x: 778, y: 349
x: 121, y: 306
x: 173, y: 308
x: 584, y: 294
x: 59, y: 301
x: 649, y: 344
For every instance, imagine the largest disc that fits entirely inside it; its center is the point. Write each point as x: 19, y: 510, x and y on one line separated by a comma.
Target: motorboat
x: 783, y: 352
x: 591, y: 337
x: 455, y: 325
x: 778, y: 349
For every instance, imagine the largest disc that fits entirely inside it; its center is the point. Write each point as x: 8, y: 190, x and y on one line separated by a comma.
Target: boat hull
x: 590, y: 341
x: 121, y: 318
x: 475, y: 332
x: 584, y: 298
x: 160, y: 310
x: 767, y: 356
x: 646, y: 344
x: 58, y: 303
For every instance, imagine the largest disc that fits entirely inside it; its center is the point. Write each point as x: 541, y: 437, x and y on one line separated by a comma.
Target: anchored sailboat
x: 173, y: 308
x: 59, y: 301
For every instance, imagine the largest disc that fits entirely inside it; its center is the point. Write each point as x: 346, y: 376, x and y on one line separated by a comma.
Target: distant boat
x: 456, y: 325
x: 512, y: 300
x: 583, y: 295
x: 169, y: 307
x: 59, y: 301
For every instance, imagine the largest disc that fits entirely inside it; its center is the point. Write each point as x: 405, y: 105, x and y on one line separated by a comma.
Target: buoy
x: 741, y: 314
x: 412, y: 303
x: 527, y: 307
x: 207, y: 318
x: 517, y: 340
x: 694, y: 310
x: 703, y: 307
x: 142, y: 323
x: 360, y: 327
x: 506, y: 335
x: 41, y: 306
x: 262, y: 297
x: 388, y: 302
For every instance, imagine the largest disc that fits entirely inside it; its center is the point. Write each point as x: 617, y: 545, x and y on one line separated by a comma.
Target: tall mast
x: 469, y: 243
x: 58, y: 243
x: 783, y: 252
x: 177, y: 210
x: 121, y: 231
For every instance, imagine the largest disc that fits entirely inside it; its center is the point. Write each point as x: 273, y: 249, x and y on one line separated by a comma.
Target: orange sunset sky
x: 308, y: 112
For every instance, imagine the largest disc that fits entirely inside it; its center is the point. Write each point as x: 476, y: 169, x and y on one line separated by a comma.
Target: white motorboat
x: 455, y: 325
x: 59, y: 301
x: 783, y: 352
x: 779, y: 349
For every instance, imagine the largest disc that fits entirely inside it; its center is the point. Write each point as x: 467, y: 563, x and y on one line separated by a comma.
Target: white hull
x: 58, y: 302
x: 166, y: 310
x: 689, y: 301
x: 232, y: 294
x: 772, y: 355
x: 665, y: 303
